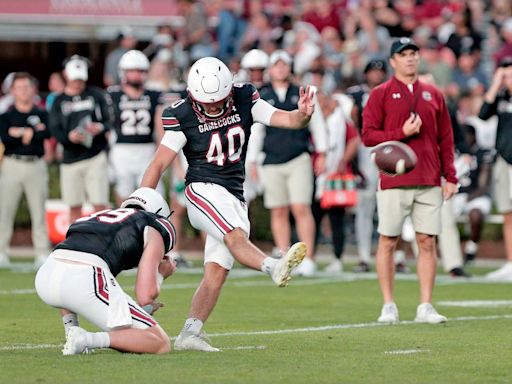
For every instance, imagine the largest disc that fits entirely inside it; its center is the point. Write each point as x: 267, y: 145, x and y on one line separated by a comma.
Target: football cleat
x: 76, y: 342
x: 190, y: 341
x: 281, y: 272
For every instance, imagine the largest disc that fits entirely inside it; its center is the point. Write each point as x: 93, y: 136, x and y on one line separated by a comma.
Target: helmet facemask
x: 201, y: 108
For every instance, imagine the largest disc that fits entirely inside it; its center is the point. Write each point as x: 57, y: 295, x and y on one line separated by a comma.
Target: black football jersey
x: 116, y: 236
x: 134, y: 118
x: 360, y: 94
x: 215, y: 149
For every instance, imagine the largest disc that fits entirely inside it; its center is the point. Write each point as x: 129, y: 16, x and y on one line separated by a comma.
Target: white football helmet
x: 134, y: 59
x: 149, y: 200
x: 254, y: 59
x: 210, y: 81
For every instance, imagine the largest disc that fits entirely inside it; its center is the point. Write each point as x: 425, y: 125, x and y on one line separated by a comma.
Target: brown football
x: 394, y: 158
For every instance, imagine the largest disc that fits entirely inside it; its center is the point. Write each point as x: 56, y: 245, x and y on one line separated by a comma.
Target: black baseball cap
x: 376, y: 64
x: 401, y: 45
x: 506, y: 62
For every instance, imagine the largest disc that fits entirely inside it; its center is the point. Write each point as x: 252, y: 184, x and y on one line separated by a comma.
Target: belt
x: 28, y: 158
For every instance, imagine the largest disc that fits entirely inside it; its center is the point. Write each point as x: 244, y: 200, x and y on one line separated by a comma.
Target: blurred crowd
x: 340, y: 47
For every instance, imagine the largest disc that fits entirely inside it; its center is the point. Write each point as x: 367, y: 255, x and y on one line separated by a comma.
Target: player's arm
x: 158, y: 128
x: 172, y: 142
x: 147, y: 286
x: 263, y: 112
x: 162, y: 159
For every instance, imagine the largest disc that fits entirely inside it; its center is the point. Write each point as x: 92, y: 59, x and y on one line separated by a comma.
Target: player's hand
x: 319, y: 166
x: 167, y: 267
x: 412, y: 125
x: 95, y: 128
x: 28, y: 134
x: 449, y: 189
x: 253, y: 172
x: 16, y: 131
x: 76, y: 137
x: 306, y: 104
x: 342, y: 167
x: 497, y: 79
x: 153, y: 307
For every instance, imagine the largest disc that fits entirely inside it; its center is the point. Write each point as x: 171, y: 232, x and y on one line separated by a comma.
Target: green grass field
x: 318, y: 330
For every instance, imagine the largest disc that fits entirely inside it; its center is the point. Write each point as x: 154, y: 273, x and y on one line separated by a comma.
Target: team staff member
x: 498, y: 101
x: 80, y: 120
x: 287, y: 172
x: 79, y: 276
x: 23, y: 130
x: 405, y: 109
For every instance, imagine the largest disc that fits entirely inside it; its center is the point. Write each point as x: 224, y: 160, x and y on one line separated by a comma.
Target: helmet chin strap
x: 215, y: 115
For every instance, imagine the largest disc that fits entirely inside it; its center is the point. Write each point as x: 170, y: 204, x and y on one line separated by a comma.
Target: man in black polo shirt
x: 80, y: 119
x: 23, y: 130
x: 287, y: 170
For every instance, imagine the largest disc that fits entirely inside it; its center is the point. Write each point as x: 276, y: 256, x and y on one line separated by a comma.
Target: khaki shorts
x: 288, y: 183
x: 85, y: 180
x: 422, y: 204
x: 501, y: 185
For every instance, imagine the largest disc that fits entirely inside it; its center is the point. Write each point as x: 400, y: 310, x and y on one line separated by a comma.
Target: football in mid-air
x: 394, y: 158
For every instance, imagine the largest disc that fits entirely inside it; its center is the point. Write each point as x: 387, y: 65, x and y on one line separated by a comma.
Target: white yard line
x: 321, y: 279
x: 476, y: 303
x: 406, y: 351
x: 11, y: 347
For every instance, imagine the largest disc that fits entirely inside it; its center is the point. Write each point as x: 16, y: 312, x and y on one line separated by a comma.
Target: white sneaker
x: 307, y: 268
x: 76, y: 342
x: 4, y: 261
x: 389, y: 314
x: 426, y: 313
x: 336, y: 266
x: 39, y: 261
x: 189, y: 341
x: 504, y: 273
x: 282, y: 269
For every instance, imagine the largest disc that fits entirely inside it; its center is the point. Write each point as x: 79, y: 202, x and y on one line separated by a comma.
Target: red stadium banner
x: 63, y: 10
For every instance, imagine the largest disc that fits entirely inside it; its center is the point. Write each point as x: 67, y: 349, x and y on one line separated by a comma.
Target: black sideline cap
x: 401, y: 45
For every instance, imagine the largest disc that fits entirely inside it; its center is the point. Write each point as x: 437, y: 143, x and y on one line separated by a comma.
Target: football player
x: 212, y: 126
x: 79, y: 276
x: 137, y: 114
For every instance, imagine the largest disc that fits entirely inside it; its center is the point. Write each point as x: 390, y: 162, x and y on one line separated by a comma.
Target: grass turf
x: 474, y: 347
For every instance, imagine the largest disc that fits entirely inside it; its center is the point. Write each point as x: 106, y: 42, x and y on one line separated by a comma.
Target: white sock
x: 471, y: 247
x: 193, y: 325
x: 98, y: 340
x: 69, y: 320
x: 268, y: 265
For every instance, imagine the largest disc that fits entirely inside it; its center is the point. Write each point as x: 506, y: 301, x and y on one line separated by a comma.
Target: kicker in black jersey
x: 116, y: 236
x: 215, y: 148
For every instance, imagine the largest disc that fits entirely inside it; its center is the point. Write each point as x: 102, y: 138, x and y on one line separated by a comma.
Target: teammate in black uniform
x: 212, y: 126
x: 137, y: 124
x: 79, y: 276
